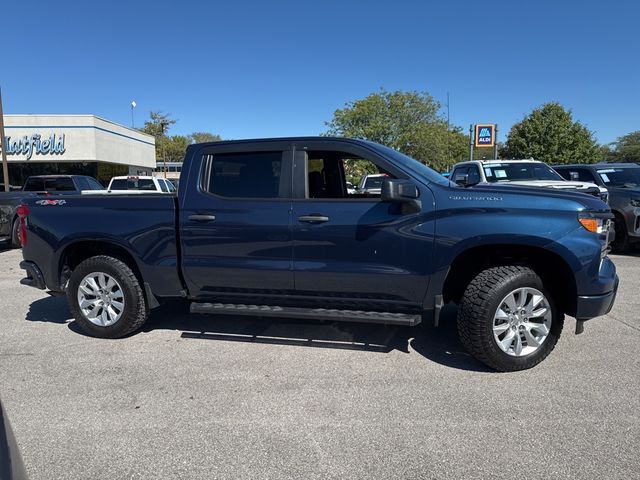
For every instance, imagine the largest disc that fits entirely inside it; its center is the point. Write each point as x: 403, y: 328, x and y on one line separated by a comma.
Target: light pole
x: 133, y: 105
x: 3, y: 146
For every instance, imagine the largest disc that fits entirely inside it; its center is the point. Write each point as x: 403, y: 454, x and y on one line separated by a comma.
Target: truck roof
x: 287, y: 139
x: 504, y: 160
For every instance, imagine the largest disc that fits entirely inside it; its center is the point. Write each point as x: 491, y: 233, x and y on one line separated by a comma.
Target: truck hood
x: 589, y: 202
x: 559, y: 184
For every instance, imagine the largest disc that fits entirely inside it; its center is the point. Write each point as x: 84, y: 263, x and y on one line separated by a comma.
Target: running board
x: 307, y: 313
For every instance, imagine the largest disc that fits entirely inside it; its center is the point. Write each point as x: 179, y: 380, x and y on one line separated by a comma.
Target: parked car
x: 531, y: 173
x: 248, y: 234
x: 371, y: 184
x: 152, y: 184
x: 38, y: 186
x: 623, y: 183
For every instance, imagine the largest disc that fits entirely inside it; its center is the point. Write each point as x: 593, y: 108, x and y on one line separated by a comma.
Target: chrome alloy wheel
x: 522, y: 322
x: 101, y: 299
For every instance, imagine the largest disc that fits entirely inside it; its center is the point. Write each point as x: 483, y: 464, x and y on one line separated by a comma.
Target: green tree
x: 626, y: 148
x: 172, y: 148
x: 550, y: 134
x: 406, y: 121
x: 202, y: 137
x: 158, y: 125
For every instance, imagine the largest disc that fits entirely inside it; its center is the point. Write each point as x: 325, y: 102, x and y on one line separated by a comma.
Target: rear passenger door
x: 236, y: 225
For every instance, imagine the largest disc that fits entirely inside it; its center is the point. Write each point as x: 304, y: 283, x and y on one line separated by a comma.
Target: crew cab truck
x: 268, y: 228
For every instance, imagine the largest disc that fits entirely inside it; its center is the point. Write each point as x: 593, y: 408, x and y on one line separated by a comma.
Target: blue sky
x: 276, y: 68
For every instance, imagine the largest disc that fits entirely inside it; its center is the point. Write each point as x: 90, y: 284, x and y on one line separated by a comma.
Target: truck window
x: 329, y: 172
x: 163, y: 186
x: 34, y: 185
x: 62, y: 184
x: 585, y: 175
x: 93, y: 184
x: 83, y: 184
x: 133, y: 184
x: 244, y: 175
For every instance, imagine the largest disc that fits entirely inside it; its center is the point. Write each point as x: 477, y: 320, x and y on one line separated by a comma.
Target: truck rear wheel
x: 106, y: 298
x: 507, y: 319
x: 15, y: 233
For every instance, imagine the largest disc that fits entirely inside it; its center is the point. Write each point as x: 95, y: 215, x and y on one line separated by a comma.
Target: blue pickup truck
x: 268, y: 228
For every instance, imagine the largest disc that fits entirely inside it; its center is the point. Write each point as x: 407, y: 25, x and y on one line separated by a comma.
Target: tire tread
x: 473, y: 312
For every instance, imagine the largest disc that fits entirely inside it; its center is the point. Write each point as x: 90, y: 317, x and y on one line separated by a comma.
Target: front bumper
x: 34, y: 275
x: 591, y: 306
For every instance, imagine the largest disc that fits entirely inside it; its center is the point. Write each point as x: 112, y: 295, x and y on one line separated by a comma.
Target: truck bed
x: 144, y: 226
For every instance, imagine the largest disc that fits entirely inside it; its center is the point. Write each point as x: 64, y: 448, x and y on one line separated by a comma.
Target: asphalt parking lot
x: 212, y: 397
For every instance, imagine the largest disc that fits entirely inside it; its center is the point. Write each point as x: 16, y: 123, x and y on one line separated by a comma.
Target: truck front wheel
x: 106, y: 298
x: 507, y: 319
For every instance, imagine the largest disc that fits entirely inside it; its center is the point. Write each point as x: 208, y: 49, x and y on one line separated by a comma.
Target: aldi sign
x: 486, y: 135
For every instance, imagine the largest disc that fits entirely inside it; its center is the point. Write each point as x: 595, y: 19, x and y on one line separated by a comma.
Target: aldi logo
x: 485, y: 135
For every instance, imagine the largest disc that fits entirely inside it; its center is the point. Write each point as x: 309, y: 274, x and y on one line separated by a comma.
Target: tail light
x: 23, y: 213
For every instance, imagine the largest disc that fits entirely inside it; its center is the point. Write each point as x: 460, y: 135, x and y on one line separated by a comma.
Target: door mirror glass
x: 462, y: 179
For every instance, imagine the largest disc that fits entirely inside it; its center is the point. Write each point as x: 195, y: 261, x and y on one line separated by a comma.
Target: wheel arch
x: 557, y: 275
x: 76, y: 252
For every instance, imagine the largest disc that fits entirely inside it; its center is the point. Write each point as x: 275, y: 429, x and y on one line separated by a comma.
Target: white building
x: 77, y: 145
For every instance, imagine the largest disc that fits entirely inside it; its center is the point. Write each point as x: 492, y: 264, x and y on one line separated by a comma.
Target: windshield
x: 620, y: 177
x: 414, y: 166
x: 505, y: 172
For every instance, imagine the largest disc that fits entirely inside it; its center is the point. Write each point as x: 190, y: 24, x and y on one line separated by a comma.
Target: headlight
x: 595, y: 223
x: 635, y: 202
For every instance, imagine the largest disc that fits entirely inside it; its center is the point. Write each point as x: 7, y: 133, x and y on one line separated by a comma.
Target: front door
x: 236, y: 227
x: 350, y: 248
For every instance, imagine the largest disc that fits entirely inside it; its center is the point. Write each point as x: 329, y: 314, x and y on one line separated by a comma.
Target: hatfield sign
x: 36, y: 144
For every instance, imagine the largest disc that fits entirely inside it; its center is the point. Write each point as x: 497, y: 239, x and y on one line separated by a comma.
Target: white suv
x: 530, y: 173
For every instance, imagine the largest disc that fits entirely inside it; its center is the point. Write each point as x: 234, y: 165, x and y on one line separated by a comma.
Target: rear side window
x: 93, y: 184
x: 244, y: 175
x: 34, y: 185
x: 163, y: 186
x: 83, y: 184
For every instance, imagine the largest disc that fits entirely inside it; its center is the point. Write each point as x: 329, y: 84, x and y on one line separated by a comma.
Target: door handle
x: 313, y: 218
x: 202, y: 218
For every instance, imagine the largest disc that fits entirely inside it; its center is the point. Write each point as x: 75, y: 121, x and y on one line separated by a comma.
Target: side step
x: 307, y: 313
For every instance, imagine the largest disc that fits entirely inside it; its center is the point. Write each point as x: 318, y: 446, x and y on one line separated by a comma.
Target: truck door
x: 235, y: 226
x: 352, y: 247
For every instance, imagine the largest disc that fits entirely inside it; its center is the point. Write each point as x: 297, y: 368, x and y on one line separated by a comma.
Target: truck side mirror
x: 396, y: 190
x: 462, y: 179
x: 403, y: 193
x: 574, y: 176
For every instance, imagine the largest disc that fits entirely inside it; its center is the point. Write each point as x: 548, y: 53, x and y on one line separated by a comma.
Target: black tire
x: 621, y: 243
x: 15, y: 234
x: 135, y: 311
x: 476, y: 311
